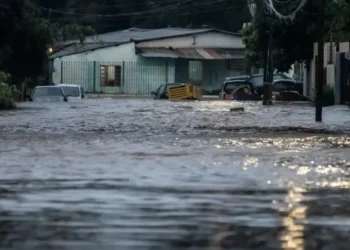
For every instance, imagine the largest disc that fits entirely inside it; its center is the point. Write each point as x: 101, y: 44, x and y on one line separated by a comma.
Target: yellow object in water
x: 183, y: 92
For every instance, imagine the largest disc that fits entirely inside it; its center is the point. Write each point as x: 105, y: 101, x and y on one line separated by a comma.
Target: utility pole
x: 268, y: 61
x: 268, y: 68
x: 267, y: 53
x: 320, y: 64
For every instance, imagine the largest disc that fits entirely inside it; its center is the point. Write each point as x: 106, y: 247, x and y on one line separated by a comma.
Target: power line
x: 115, y: 5
x: 130, y: 13
x: 180, y: 14
x: 116, y: 15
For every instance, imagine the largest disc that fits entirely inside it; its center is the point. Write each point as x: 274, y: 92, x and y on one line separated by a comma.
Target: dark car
x: 287, y: 90
x: 48, y: 93
x: 162, y: 91
x: 287, y: 85
x: 232, y: 85
x: 258, y: 81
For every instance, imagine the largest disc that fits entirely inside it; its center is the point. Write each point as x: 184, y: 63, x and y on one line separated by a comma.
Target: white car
x: 48, y: 94
x: 72, y: 91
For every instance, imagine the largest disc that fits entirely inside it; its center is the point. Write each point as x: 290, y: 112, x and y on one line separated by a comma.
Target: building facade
x: 137, y: 61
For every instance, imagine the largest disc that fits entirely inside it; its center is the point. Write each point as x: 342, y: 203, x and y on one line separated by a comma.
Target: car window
x: 283, y: 86
x: 160, y: 90
x: 258, y: 80
x: 49, y: 91
x: 278, y: 77
x: 229, y: 86
x: 71, y: 91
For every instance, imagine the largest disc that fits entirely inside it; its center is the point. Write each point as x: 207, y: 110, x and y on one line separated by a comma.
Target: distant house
x: 137, y: 61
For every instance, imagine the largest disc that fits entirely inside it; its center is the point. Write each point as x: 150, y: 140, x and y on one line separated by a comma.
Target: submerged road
x: 143, y: 174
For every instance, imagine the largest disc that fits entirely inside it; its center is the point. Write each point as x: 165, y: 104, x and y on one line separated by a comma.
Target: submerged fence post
x: 94, y: 77
x: 61, y: 72
x: 166, y: 72
x: 123, y: 75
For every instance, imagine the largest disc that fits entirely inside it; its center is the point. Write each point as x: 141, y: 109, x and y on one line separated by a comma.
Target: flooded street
x: 143, y: 174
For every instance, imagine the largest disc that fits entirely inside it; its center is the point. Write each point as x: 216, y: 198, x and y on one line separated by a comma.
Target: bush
x: 7, y: 96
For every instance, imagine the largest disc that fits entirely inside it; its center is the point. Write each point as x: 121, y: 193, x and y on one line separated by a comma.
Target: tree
x: 26, y: 36
x: 293, y: 41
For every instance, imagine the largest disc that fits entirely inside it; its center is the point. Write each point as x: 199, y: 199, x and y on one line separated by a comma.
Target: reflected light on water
x: 293, y: 236
x: 251, y: 161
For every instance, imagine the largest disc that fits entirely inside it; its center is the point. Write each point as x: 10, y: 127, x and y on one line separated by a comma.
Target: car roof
x: 236, y: 77
x: 68, y: 85
x: 48, y: 86
x: 242, y: 81
x: 284, y: 80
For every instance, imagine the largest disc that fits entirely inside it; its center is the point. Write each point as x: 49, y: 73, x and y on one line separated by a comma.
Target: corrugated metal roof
x: 193, y: 53
x: 79, y: 48
x: 157, y: 52
x: 136, y: 34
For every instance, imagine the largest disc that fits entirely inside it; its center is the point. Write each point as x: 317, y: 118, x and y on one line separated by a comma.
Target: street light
x: 268, y: 63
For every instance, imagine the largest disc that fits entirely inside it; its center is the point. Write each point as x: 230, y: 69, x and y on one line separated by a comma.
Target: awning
x: 193, y: 53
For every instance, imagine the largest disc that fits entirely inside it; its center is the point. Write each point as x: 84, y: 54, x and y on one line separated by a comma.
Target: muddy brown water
x: 143, y: 174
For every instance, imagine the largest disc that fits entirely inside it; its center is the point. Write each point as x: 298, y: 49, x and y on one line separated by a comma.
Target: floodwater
x: 143, y: 174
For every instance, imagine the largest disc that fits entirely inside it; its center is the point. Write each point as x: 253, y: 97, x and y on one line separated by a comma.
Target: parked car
x: 287, y: 90
x: 229, y: 88
x: 48, y: 93
x: 258, y: 81
x: 73, y: 91
x: 162, y: 91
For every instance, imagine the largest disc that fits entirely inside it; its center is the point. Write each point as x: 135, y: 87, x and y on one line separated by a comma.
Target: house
x: 138, y: 61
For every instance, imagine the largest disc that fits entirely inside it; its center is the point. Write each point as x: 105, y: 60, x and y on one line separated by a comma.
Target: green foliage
x: 26, y: 36
x: 4, y: 77
x: 8, y: 94
x: 293, y: 41
x: 254, y: 48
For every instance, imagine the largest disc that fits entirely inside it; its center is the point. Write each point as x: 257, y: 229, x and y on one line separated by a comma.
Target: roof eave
x: 53, y: 57
x: 188, y: 34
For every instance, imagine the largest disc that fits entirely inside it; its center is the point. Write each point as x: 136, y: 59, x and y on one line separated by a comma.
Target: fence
x: 135, y: 78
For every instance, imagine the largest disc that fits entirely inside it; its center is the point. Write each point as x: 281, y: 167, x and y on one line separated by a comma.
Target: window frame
x: 106, y: 81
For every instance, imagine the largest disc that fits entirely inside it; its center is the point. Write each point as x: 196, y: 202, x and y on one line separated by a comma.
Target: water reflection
x: 292, y: 238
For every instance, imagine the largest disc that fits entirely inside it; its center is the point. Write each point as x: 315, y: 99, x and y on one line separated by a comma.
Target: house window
x: 110, y: 76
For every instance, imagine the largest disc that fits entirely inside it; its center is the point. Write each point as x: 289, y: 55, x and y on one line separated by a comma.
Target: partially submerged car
x: 258, y: 81
x: 287, y: 90
x: 238, y: 90
x: 48, y: 93
x: 72, y: 91
x: 162, y: 91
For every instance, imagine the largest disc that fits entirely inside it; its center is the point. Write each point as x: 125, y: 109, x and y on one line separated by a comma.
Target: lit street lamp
x: 268, y: 59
